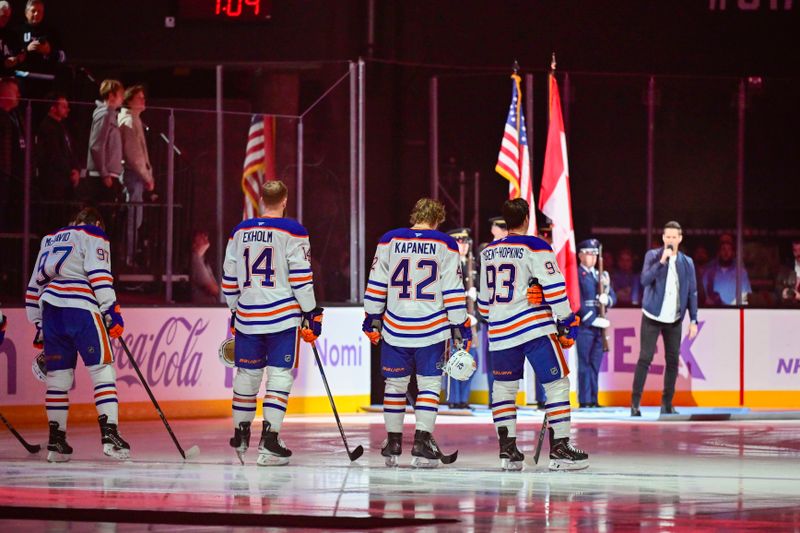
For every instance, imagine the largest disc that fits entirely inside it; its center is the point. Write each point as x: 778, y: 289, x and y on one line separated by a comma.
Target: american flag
x: 259, y: 163
x: 513, y: 161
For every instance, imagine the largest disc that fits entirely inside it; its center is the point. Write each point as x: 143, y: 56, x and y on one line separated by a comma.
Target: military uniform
x: 590, y: 336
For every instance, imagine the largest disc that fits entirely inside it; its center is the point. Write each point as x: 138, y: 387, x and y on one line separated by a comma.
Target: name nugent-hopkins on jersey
x: 267, y: 276
x: 73, y: 269
x: 415, y: 283
x: 507, y: 267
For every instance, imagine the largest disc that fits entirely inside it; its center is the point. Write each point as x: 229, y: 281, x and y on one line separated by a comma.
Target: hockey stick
x: 192, y: 452
x: 32, y: 448
x: 359, y: 450
x: 540, y: 441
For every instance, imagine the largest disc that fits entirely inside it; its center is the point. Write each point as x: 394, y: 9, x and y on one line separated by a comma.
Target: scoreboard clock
x: 225, y: 10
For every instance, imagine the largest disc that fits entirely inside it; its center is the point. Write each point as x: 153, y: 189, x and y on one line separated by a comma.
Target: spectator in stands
x: 625, y: 280
x: 205, y: 288
x: 40, y: 41
x: 10, y: 51
x: 137, y: 174
x: 719, y: 278
x: 700, y: 257
x: 788, y: 282
x: 12, y: 148
x: 104, y: 161
x: 57, y: 165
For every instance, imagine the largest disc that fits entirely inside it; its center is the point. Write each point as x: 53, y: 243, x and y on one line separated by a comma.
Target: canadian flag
x: 555, y: 200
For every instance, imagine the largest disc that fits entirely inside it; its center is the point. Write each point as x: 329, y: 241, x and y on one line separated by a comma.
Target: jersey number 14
x: 260, y: 267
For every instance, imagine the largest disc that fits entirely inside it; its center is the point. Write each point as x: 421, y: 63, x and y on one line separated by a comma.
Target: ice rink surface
x: 645, y: 475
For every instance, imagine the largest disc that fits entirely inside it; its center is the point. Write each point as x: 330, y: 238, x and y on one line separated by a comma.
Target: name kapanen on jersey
x: 414, y: 247
x: 502, y: 252
x: 257, y: 236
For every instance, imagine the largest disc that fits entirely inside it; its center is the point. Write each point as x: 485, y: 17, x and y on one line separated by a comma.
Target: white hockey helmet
x: 226, y: 356
x: 460, y: 366
x: 39, y: 368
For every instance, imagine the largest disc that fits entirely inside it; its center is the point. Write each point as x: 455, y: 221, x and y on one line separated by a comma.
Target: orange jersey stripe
x: 506, y: 410
x: 414, y: 328
x: 393, y: 402
x: 454, y: 299
x: 106, y: 393
x: 518, y: 324
x: 269, y: 313
x: 72, y: 289
x: 102, y: 278
x: 56, y: 400
x: 303, y: 278
x: 375, y: 291
x: 554, y: 294
x: 559, y: 412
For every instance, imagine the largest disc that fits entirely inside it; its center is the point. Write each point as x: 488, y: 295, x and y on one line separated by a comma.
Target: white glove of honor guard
x: 601, y: 323
x: 603, y: 298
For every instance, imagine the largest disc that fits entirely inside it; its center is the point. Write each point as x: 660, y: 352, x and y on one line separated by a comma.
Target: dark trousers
x: 671, y: 333
x: 590, y: 357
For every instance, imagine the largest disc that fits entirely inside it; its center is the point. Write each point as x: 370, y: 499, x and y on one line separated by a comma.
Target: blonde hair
x: 428, y: 211
x: 273, y: 193
x: 109, y: 87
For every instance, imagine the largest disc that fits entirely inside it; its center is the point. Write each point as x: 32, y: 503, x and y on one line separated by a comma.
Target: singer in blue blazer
x: 670, y: 289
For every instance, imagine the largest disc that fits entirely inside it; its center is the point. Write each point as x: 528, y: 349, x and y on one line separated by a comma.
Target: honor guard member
x: 414, y: 303
x: 523, y: 297
x: 70, y: 299
x: 269, y: 289
x: 458, y: 391
x: 594, y: 293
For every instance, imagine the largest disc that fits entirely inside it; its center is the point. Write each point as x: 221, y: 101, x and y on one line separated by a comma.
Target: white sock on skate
x: 504, y: 405
x: 245, y: 394
x: 394, y: 403
x: 427, y: 406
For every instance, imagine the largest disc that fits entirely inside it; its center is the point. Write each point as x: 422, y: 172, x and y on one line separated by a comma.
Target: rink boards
x: 745, y: 357
x: 176, y: 349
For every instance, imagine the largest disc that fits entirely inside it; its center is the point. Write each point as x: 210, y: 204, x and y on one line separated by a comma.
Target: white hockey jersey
x: 415, y: 283
x: 508, y: 266
x: 73, y: 269
x: 267, y: 276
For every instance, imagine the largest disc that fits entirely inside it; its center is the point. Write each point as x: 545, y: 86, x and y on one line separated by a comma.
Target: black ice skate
x: 510, y: 456
x: 391, y: 448
x: 565, y: 456
x: 113, y: 444
x: 271, y: 450
x: 426, y: 453
x: 58, y: 451
x: 241, y: 440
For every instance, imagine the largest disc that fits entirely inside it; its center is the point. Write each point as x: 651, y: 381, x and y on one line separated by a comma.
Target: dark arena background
x: 683, y: 110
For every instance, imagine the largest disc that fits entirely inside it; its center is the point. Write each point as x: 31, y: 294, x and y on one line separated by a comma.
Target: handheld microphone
x: 670, y: 248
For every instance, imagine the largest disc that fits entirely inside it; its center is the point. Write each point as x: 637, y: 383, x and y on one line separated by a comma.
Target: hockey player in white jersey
x: 268, y: 285
x: 415, y: 302
x: 71, y: 300
x: 523, y: 297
